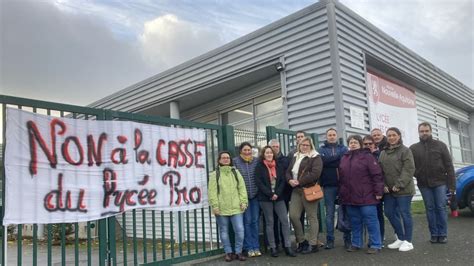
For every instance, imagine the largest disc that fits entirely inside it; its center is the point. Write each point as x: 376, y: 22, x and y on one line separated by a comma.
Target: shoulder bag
x: 312, y: 193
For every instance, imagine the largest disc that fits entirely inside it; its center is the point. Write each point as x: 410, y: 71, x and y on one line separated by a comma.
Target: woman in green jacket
x: 398, y: 167
x: 228, y: 199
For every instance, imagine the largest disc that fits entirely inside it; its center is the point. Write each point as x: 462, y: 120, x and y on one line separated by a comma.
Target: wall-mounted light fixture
x: 279, y: 67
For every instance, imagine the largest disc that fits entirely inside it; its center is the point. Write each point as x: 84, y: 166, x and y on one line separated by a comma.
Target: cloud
x: 80, y: 51
x: 439, y: 31
x: 167, y: 41
x: 65, y: 57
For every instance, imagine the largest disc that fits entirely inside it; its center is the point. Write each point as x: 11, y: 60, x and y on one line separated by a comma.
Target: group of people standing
x: 370, y: 178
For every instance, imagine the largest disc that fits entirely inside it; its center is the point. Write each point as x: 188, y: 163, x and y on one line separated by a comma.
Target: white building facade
x: 308, y: 71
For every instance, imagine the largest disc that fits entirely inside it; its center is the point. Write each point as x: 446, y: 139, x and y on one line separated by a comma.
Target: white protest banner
x: 61, y: 170
x: 392, y: 105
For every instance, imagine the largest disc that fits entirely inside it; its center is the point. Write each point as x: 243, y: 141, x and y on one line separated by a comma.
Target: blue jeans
x: 330, y: 194
x: 251, y: 224
x: 238, y: 225
x: 396, y: 208
x: 364, y: 215
x: 435, y: 205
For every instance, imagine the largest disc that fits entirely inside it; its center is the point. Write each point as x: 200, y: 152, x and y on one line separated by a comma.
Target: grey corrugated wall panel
x: 356, y: 36
x: 301, y: 40
x: 277, y: 39
x: 439, y: 106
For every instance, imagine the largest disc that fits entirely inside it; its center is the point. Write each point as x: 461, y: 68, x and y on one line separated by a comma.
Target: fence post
x: 228, y: 139
x: 103, y: 224
x: 271, y: 133
x: 315, y: 138
x: 321, y: 206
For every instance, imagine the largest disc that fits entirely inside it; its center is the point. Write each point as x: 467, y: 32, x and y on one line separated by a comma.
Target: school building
x: 323, y: 66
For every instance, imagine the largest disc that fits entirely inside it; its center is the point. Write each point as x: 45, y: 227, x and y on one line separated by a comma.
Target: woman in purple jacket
x: 361, y: 188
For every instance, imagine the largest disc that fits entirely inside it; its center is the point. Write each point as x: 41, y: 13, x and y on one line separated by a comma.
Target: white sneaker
x: 406, y: 246
x: 396, y: 244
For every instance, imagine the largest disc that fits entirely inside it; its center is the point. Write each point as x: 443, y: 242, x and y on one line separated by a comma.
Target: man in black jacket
x: 379, y: 139
x: 434, y: 172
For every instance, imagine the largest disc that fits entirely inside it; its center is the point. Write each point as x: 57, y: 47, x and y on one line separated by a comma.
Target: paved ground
x: 459, y: 250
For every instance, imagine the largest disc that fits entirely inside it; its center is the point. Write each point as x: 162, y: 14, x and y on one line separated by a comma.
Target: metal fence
x: 257, y: 139
x: 134, y: 237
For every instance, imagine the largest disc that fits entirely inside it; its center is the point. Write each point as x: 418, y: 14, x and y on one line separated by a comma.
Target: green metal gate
x: 287, y: 139
x: 135, y: 237
x: 132, y: 238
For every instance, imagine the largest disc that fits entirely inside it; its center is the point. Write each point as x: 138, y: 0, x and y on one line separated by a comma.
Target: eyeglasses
x: 368, y: 143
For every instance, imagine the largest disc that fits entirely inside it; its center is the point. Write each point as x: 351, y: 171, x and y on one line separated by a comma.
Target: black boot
x: 301, y: 246
x: 310, y: 249
x: 329, y: 244
x: 289, y: 252
x: 273, y: 252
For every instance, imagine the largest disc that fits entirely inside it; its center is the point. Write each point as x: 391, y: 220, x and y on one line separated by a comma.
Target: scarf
x: 247, y: 159
x: 271, y: 167
x: 296, y: 167
x: 299, y: 157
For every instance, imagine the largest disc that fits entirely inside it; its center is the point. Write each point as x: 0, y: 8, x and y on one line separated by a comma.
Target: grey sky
x: 80, y: 51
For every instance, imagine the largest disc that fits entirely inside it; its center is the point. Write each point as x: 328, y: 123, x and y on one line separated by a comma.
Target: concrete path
x: 459, y: 250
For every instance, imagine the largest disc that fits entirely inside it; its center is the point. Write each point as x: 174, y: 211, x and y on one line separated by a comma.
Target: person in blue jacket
x: 246, y: 164
x: 331, y: 153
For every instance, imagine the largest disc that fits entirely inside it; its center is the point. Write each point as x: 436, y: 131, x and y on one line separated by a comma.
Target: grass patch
x: 418, y: 207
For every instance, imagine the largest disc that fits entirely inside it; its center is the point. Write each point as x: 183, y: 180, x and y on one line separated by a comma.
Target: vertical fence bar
x: 124, y: 238
x: 172, y: 234
x: 232, y: 239
x: 196, y: 244
x: 144, y: 235
x: 19, y: 236
x: 111, y: 244
x: 228, y: 139
x: 203, y: 230
x: 180, y: 234
x: 188, y: 243
x: 35, y: 244
x: 20, y: 244
x: 76, y: 244
x: 213, y: 152
x: 321, y: 208
x: 163, y: 243
x: 4, y: 228
x: 153, y: 220
x: 134, y: 226
x: 63, y: 244
x: 89, y: 249
x: 63, y: 227
x: 102, y: 241
x: 49, y: 244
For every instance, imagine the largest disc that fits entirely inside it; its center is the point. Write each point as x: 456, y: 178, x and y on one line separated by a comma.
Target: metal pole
x: 5, y: 244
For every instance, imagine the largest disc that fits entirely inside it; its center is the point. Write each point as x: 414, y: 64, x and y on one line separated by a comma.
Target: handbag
x: 313, y: 193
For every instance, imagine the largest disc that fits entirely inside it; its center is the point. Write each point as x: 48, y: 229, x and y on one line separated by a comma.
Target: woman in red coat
x: 361, y: 188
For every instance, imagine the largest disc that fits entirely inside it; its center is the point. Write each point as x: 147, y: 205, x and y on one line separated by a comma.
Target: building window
x: 241, y: 117
x: 455, y: 135
x: 250, y: 120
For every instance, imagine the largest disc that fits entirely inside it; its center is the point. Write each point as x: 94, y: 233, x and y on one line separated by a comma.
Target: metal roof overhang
x: 217, y: 89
